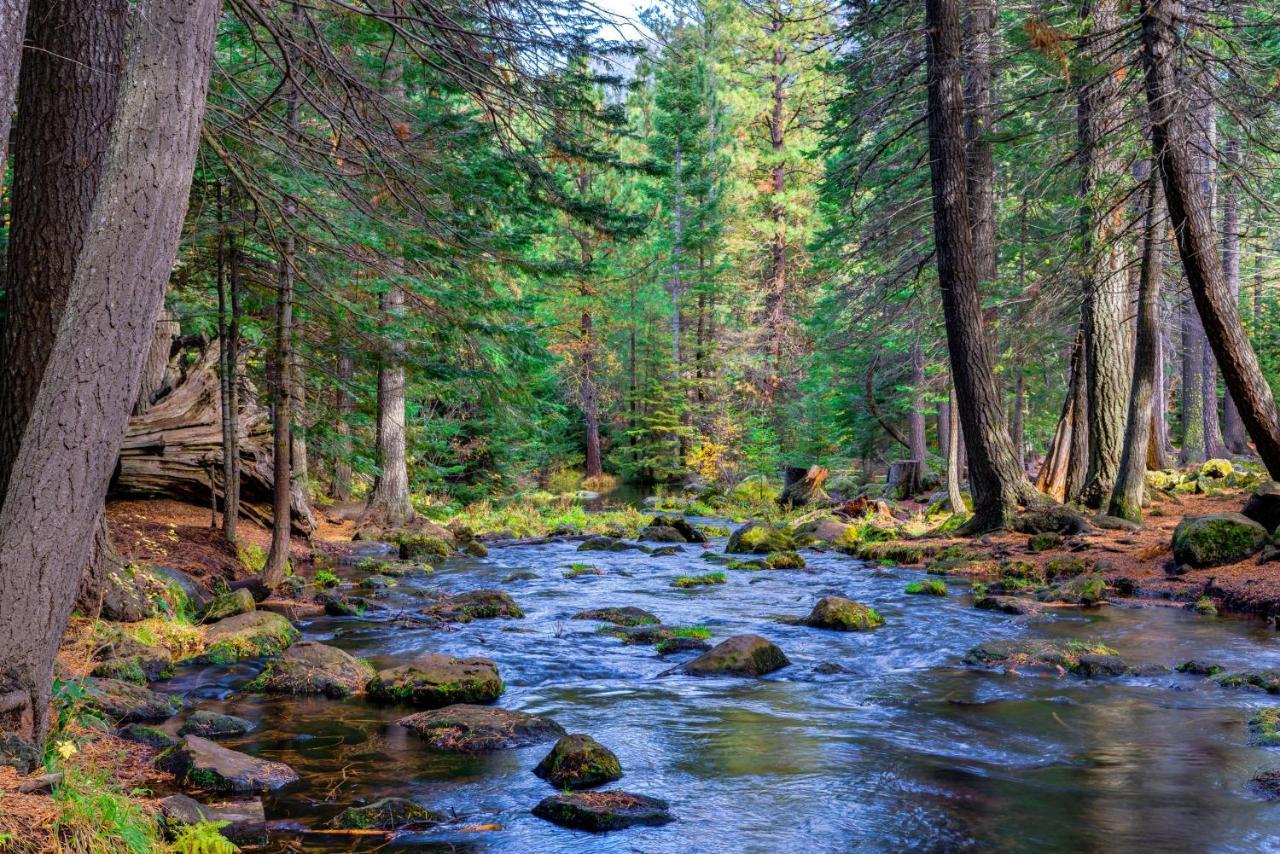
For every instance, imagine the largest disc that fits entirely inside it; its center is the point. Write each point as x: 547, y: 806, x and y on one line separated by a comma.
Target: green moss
x: 1205, y: 607
x: 785, y: 560
x: 579, y: 569
x: 1264, y: 726
x: 326, y: 579
x: 895, y: 551
x: 695, y: 632
x: 710, y: 578
x: 1216, y: 469
x: 253, y: 556
x: 1065, y: 567
x: 748, y: 565
x: 1043, y: 542
x: 931, y: 587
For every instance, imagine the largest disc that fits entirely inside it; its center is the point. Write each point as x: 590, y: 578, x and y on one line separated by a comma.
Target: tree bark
x: 1126, y: 497
x: 1191, y: 388
x: 229, y: 353
x: 389, y: 505
x: 343, y: 404
x: 1195, y: 233
x: 1158, y: 451
x: 70, y: 444
x: 918, y: 445
x: 594, y: 465
x: 776, y: 295
x: 13, y: 24
x: 1106, y: 294
x: 998, y: 485
x: 1233, y: 434
x: 67, y: 90
x: 954, y: 497
x: 1062, y: 475
x: 979, y: 33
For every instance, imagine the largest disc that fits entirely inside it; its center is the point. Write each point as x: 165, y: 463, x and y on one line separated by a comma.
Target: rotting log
x: 175, y: 447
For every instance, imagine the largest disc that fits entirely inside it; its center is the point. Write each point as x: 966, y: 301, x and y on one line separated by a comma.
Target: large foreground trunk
x: 1196, y: 235
x: 55, y: 491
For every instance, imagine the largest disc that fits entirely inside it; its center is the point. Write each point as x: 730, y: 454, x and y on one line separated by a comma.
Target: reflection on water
x: 902, y: 749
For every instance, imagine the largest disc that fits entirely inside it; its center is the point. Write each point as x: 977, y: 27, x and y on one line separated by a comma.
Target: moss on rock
x: 257, y: 634
x: 387, y: 814
x: 434, y: 680
x: 1217, y: 539
x: 844, y: 615
x: 579, y: 762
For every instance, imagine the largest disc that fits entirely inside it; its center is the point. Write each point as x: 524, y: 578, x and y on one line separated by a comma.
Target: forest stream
x: 898, y: 746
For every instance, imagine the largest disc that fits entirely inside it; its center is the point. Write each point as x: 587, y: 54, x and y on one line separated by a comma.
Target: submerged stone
x: 387, y: 814
x: 579, y: 762
x: 469, y: 728
x: 208, y: 724
x: 435, y: 680
x: 620, y: 616
x: 845, y: 615
x: 602, y: 811
x: 243, y: 821
x: 1008, y: 605
x: 476, y: 605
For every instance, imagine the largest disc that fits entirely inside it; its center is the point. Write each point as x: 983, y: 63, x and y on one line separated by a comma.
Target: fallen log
x: 174, y: 448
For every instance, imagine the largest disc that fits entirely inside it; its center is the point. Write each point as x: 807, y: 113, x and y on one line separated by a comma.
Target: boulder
x: 424, y: 540
x: 1263, y: 506
x: 827, y: 531
x: 146, y: 664
x: 468, y: 728
x: 1267, y: 784
x: 208, y: 724
x: 604, y: 544
x: 688, y: 533
x: 845, y: 615
x: 149, y: 735
x: 1081, y: 657
x: 624, y: 616
x: 602, y: 811
x: 434, y: 680
x: 740, y: 655
x: 1052, y: 519
x: 1088, y: 589
x: 662, y: 534
x: 243, y: 821
x: 1217, y: 539
x: 387, y: 814
x: 257, y: 634
x: 1008, y: 605
x: 125, y: 702
x: 1268, y: 679
x: 475, y: 548
x: 476, y: 605
x: 18, y: 753
x: 579, y: 762
x: 229, y: 604
x: 309, y: 667
x: 200, y: 762
x: 760, y: 538
x: 337, y: 604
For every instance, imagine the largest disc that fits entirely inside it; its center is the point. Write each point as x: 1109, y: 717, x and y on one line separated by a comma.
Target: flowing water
x: 906, y: 749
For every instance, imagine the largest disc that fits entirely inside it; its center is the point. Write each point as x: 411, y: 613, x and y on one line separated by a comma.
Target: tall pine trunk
x: 998, y: 485
x: 1196, y: 236
x: 60, y: 475
x: 1232, y: 427
x: 343, y: 403
x: 389, y: 505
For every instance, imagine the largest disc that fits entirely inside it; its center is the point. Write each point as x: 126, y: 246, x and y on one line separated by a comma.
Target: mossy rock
x: 435, y: 680
x: 1064, y: 567
x: 1204, y: 606
x: 387, y: 814
x: 754, y: 565
x: 125, y: 702
x: 314, y: 668
x: 760, y: 538
x: 202, y: 763
x: 124, y: 657
x: 1217, y: 469
x: 239, y: 601
x: 844, y: 615
x: 1075, y: 656
x: 1044, y: 542
x: 928, y: 587
x: 1267, y: 679
x: 257, y: 634
x: 623, y: 616
x: 785, y: 560
x: 605, y: 544
x: 1090, y: 589
x: 151, y: 736
x: 579, y: 762
x: 475, y: 548
x: 340, y: 605
x: 687, y: 531
x: 741, y: 655
x: 1200, y: 668
x: 1217, y: 539
x: 826, y: 531
x: 207, y: 724
x: 1162, y: 480
x: 1264, y: 726
x: 1021, y: 570
x: 1015, y: 605
x: 522, y: 575
x: 423, y: 546
x: 468, y: 728
x: 476, y: 605
x: 241, y: 820
x: 602, y: 811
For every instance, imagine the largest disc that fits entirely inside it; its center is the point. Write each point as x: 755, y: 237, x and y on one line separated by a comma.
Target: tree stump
x: 906, y: 478
x: 802, y: 485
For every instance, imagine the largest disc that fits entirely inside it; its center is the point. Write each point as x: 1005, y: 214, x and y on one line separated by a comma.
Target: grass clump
x: 930, y: 587
x: 1264, y: 726
x: 326, y: 579
x: 96, y: 817
x: 576, y: 570
x: 685, y: 582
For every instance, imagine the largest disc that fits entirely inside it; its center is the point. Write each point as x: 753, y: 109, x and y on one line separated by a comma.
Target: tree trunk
x: 776, y: 295
x: 67, y: 91
x: 1106, y: 294
x: 998, y: 485
x: 299, y: 466
x: 389, y: 505
x: 343, y: 404
x: 13, y: 24
x: 979, y: 32
x: 1195, y: 234
x: 1158, y: 451
x: 1062, y: 474
x: 91, y: 380
x: 230, y: 400
x: 1232, y: 427
x: 918, y: 444
x: 1191, y: 388
x: 594, y: 465
x: 1126, y: 498
x: 1017, y: 428
x: 954, y: 496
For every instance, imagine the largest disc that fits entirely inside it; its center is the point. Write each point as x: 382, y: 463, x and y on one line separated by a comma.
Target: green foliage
x: 95, y: 817
x: 202, y: 838
x: 688, y: 581
x: 325, y: 579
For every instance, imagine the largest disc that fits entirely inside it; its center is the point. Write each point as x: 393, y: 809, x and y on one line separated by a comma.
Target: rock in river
x: 258, y: 634
x: 740, y: 655
x: 314, y: 668
x: 602, y: 811
x: 125, y: 702
x: 468, y: 728
x: 624, y: 616
x: 386, y: 814
x: 245, y: 821
x: 1085, y: 658
x: 434, y: 680
x: 845, y: 615
x: 208, y: 724
x: 200, y: 762
x: 476, y: 605
x: 579, y: 762
x: 760, y: 538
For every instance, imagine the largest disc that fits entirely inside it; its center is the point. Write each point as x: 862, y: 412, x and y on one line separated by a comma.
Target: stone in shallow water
x: 602, y: 811
x: 246, y: 822
x: 148, y: 735
x: 1008, y: 605
x: 469, y: 728
x: 125, y: 702
x: 200, y: 762
x: 314, y: 668
x: 386, y: 814
x: 257, y: 634
x: 579, y: 762
x: 741, y: 655
x: 1267, y: 784
x: 208, y: 724
x: 1086, y: 658
x: 435, y: 680
x: 845, y: 615
x: 476, y: 605
x: 625, y: 616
